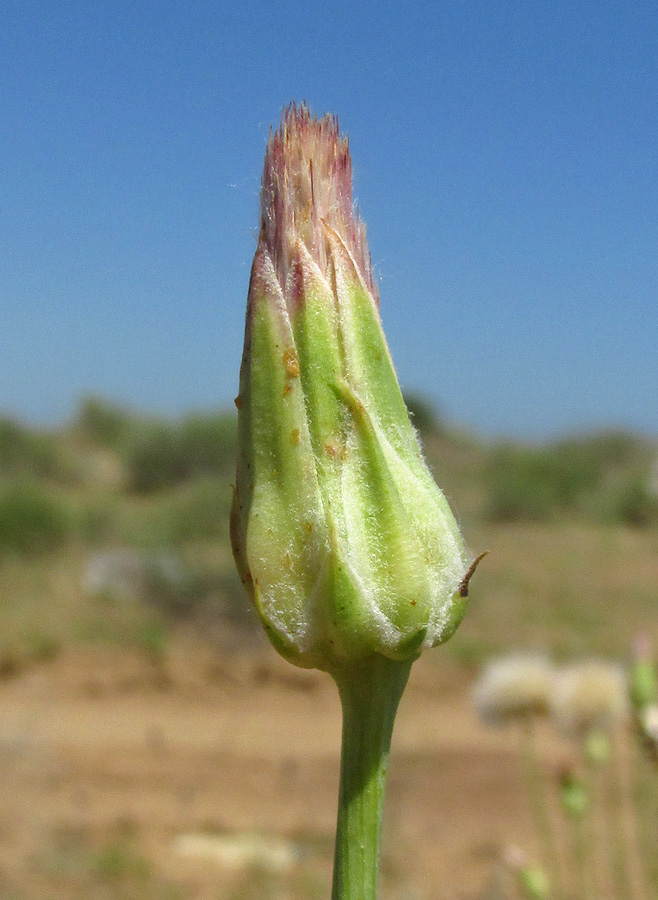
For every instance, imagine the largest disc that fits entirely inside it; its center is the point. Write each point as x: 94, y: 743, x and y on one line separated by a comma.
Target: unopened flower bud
x: 597, y: 748
x: 573, y: 794
x: 534, y: 883
x: 532, y: 880
x: 342, y: 538
x: 643, y: 676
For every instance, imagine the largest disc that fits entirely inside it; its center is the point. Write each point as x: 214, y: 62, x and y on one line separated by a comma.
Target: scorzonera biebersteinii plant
x: 346, y: 546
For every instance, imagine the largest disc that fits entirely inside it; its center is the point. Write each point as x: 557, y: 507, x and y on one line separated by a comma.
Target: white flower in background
x: 649, y: 723
x: 514, y: 687
x: 589, y: 696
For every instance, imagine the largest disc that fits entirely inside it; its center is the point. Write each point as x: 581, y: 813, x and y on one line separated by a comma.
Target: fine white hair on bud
x: 342, y: 538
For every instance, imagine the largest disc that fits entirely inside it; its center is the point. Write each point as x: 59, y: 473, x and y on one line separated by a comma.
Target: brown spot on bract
x: 413, y: 602
x: 334, y: 448
x: 295, y: 437
x: 309, y: 527
x: 290, y: 363
x: 287, y: 387
x: 238, y: 402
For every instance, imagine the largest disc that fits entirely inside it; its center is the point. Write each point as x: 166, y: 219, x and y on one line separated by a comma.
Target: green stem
x: 582, y: 857
x: 633, y: 872
x: 621, y: 880
x: 370, y: 693
x: 606, y: 865
x: 536, y: 790
x: 647, y: 805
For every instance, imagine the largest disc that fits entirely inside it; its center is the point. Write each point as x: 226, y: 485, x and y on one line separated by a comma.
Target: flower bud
x: 643, y: 676
x: 534, y: 883
x: 342, y: 538
x: 574, y: 796
x: 596, y: 748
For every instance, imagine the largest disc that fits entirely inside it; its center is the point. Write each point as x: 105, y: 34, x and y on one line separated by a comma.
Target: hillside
x: 150, y: 734
x: 572, y: 528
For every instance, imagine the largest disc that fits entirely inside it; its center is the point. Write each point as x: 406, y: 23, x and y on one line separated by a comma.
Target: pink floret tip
x: 307, y: 185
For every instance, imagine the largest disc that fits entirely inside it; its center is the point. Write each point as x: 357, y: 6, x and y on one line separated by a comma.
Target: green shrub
x: 521, y: 486
x: 210, y: 443
x: 103, y: 423
x: 25, y: 452
x: 576, y: 475
x: 152, y: 456
x: 198, y: 510
x: 31, y: 519
x: 201, y: 511
x: 635, y: 504
x: 96, y: 520
x: 157, y: 455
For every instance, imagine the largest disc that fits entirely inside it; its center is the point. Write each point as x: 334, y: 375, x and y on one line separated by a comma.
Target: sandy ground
x: 97, y: 742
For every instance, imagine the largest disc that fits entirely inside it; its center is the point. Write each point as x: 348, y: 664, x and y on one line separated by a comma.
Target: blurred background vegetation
x: 115, y: 528
x: 117, y: 583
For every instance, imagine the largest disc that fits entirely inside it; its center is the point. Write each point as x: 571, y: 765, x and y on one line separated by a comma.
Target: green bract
x: 342, y: 538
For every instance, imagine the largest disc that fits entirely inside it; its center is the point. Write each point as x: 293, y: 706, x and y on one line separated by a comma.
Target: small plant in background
x: 342, y: 539
x: 644, y: 700
x: 589, y: 701
x: 529, y: 879
x: 608, y: 787
x: 516, y: 691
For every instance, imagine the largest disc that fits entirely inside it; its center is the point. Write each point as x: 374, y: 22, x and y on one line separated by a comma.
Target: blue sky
x: 505, y: 159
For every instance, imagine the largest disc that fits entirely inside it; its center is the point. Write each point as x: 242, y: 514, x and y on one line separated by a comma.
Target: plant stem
x: 627, y: 819
x: 370, y: 693
x: 605, y: 863
x: 646, y: 801
x: 582, y: 857
x: 621, y: 879
x: 537, y: 793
